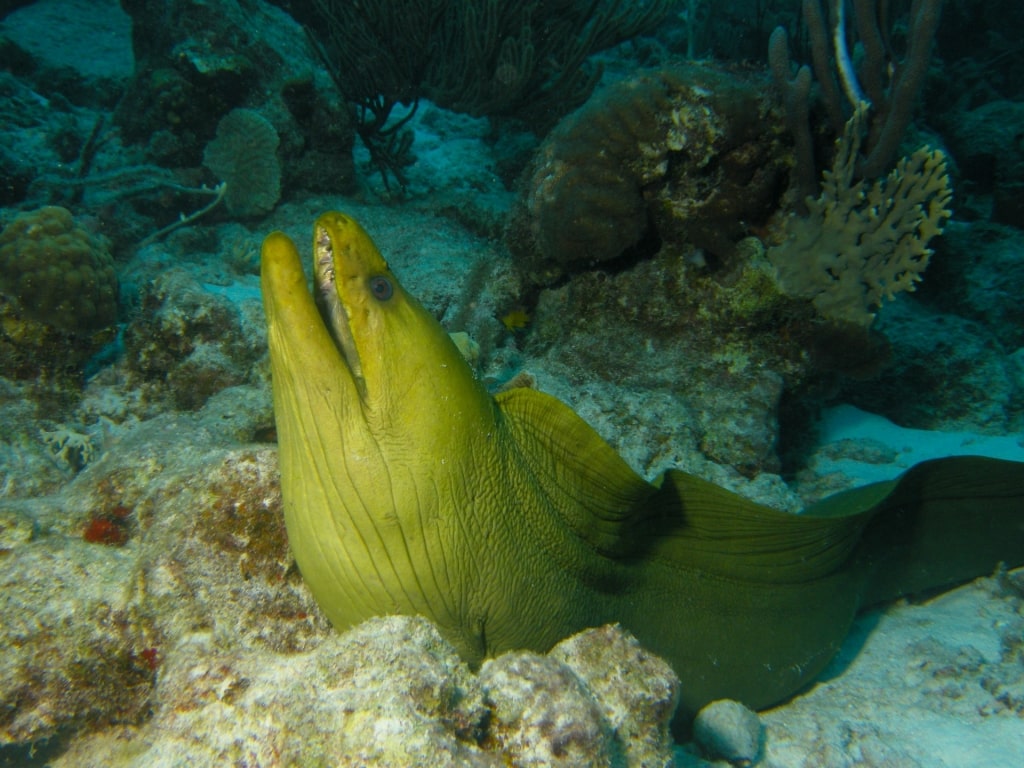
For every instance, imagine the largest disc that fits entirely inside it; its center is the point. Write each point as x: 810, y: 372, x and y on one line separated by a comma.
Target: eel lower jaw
x: 331, y: 308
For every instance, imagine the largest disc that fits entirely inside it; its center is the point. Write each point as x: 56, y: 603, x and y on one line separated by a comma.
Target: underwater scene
x: 399, y: 383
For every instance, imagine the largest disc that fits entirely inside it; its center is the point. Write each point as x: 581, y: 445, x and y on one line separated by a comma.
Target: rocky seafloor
x: 151, y: 614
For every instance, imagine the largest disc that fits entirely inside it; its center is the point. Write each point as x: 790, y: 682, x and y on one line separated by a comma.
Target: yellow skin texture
x: 509, y: 523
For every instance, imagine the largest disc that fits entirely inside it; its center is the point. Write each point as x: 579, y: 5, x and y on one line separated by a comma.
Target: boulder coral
x: 58, y: 294
x: 688, y: 154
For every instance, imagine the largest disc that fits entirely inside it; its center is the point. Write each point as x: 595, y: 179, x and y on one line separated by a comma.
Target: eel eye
x: 381, y: 288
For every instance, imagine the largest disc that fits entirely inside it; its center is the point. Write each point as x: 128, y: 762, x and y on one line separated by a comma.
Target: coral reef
x: 188, y: 342
x: 543, y: 714
x: 720, y: 351
x: 198, y: 60
x: 197, y: 637
x: 196, y: 641
x: 58, y: 294
x: 483, y: 57
x: 28, y: 465
x: 990, y: 158
x: 635, y: 690
x: 596, y: 699
x: 677, y: 163
x: 87, y: 654
x: 131, y: 156
x: 389, y: 693
x: 986, y: 288
x: 73, y: 651
x: 680, y: 155
x: 973, y: 389
x: 72, y: 49
x: 881, y: 77
x: 58, y: 273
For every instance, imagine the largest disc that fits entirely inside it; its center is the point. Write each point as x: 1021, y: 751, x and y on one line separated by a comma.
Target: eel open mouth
x: 332, y: 309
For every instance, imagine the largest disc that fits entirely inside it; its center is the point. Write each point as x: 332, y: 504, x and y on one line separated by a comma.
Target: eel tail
x: 941, y: 523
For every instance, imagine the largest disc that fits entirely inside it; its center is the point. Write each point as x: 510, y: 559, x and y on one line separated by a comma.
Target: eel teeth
x: 332, y: 309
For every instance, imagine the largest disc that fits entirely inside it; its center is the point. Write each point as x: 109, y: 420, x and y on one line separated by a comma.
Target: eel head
x: 359, y: 336
x: 376, y: 410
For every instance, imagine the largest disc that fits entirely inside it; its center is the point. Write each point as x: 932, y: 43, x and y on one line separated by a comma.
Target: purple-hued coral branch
x: 890, y: 81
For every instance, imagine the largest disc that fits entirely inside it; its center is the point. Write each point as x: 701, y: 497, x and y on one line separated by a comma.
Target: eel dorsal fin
x: 595, y: 492
x: 684, y: 521
x: 942, y: 522
x: 698, y: 526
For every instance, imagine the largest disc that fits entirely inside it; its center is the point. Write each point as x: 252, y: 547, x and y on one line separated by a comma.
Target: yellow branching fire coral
x: 860, y: 244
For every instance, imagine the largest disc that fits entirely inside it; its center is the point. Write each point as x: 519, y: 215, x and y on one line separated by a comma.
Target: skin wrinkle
x: 387, y: 482
x: 349, y: 537
x: 370, y: 522
x: 329, y: 481
x: 420, y: 595
x: 450, y: 593
x: 477, y: 530
x: 470, y: 572
x: 410, y: 543
x: 303, y: 509
x: 344, y: 537
x: 425, y: 526
x: 440, y: 524
x: 555, y: 519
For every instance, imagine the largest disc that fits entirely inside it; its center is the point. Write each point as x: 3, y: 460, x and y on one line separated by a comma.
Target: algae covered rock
x: 75, y: 646
x: 717, y: 353
x: 543, y: 714
x: 636, y: 691
x: 389, y: 693
x: 197, y: 62
x: 191, y: 341
x: 58, y: 293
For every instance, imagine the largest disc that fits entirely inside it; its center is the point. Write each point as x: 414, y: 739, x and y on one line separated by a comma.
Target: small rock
x: 728, y: 730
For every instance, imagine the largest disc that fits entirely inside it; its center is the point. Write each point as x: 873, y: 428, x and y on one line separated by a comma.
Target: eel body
x: 511, y: 524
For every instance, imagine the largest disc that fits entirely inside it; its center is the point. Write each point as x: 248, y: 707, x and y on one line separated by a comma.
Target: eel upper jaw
x: 332, y: 309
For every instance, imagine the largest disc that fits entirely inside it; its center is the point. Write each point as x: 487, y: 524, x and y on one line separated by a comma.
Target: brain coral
x: 58, y: 291
x: 686, y: 154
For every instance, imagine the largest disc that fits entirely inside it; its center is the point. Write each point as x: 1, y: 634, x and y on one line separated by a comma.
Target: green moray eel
x: 509, y: 523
